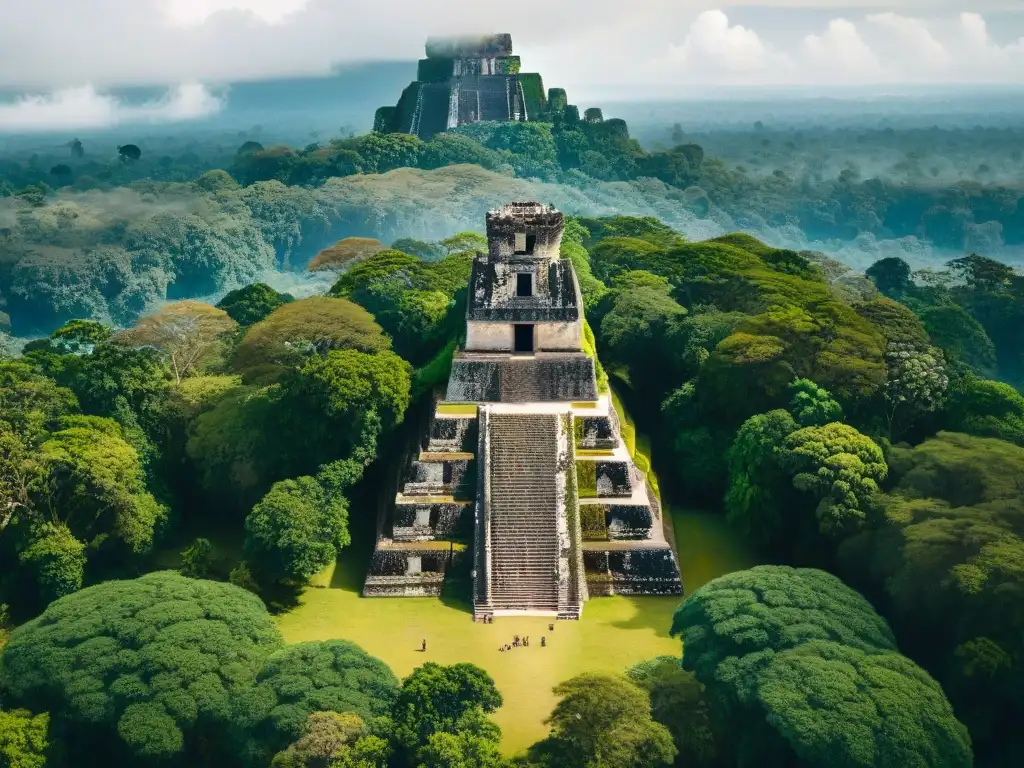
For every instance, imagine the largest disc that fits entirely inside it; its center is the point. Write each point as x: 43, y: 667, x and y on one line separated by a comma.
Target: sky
x: 63, y: 56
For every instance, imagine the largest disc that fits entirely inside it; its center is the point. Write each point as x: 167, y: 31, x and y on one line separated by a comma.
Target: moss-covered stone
x: 586, y: 478
x: 593, y: 522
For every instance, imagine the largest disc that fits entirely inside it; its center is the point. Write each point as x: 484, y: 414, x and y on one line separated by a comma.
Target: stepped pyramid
x: 464, y: 80
x: 523, y: 457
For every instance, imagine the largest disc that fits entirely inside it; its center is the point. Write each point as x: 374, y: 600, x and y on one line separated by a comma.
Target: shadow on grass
x: 281, y: 598
x: 350, y: 571
x: 650, y: 613
x: 458, y: 595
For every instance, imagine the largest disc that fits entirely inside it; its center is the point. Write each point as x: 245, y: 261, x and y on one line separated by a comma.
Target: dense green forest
x: 89, y: 231
x: 863, y: 429
x: 844, y: 423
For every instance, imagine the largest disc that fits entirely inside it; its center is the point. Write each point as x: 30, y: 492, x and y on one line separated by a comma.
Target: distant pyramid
x: 465, y: 80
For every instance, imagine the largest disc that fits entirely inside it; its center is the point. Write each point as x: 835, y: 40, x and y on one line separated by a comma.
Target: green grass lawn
x: 614, y: 633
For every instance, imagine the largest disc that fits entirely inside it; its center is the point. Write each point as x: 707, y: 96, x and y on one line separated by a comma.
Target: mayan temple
x: 464, y: 80
x: 523, y: 456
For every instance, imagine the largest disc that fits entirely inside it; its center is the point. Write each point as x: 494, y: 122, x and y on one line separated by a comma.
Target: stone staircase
x: 434, y: 110
x: 417, y: 112
x: 494, y: 99
x: 523, y: 512
x: 518, y: 382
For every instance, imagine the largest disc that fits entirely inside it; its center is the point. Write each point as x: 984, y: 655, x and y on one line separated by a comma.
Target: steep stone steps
x: 524, y: 512
x: 434, y: 109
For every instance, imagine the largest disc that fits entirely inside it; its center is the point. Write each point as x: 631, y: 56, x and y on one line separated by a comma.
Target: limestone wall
x: 493, y: 291
x: 482, y: 336
x: 482, y: 524
x: 489, y: 337
x: 603, y: 478
x: 450, y: 434
x: 440, y: 477
x: 559, y: 337
x: 596, y: 432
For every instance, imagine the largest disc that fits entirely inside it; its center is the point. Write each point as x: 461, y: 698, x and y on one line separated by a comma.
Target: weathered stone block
x: 595, y: 432
x: 558, y: 378
x: 629, y: 522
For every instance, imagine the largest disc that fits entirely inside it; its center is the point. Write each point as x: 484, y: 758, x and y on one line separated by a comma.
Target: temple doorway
x: 524, y: 338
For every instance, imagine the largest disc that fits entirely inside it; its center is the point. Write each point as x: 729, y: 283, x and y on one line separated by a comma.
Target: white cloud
x: 841, y: 51
x: 187, y: 13
x: 579, y: 44
x: 85, y: 107
x: 975, y: 29
x: 911, y: 40
x: 982, y: 54
x: 713, y: 46
x: 881, y: 48
x: 58, y: 43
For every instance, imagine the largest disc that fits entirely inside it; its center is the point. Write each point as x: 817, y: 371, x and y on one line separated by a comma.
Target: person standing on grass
x: 423, y: 649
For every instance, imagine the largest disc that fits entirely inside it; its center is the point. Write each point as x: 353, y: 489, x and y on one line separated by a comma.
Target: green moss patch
x: 586, y: 479
x: 593, y: 522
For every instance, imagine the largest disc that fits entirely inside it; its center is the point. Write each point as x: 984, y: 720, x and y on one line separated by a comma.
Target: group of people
x: 517, y: 641
x: 521, y: 641
x: 525, y: 641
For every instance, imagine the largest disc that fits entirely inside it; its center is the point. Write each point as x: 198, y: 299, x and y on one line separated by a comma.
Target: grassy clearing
x: 615, y: 632
x: 708, y: 547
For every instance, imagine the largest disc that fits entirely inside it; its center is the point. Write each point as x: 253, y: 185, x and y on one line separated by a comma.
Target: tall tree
x: 841, y: 468
x: 252, y: 303
x: 813, y: 406
x: 186, y: 333
x: 296, y: 530
x: 604, y: 720
x: 435, y: 698
x: 891, y: 275
x: 759, y: 498
x: 24, y: 740
x: 296, y: 330
x: 345, y: 253
x: 680, y: 703
x: 303, y: 679
x: 807, y: 673
x: 143, y: 666
x: 336, y: 741
x: 93, y: 481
